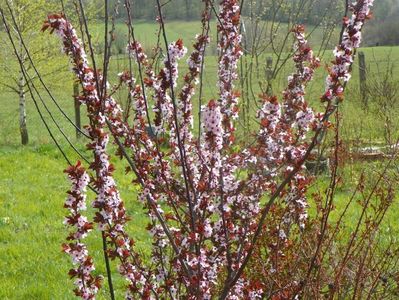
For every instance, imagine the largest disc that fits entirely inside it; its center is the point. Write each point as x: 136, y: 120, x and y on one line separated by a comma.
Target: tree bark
x: 22, y: 111
x: 187, y: 10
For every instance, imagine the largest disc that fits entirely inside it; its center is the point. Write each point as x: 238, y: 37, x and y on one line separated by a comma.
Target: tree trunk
x: 22, y: 111
x: 187, y: 11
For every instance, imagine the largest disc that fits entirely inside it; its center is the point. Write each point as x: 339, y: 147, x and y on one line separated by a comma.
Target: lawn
x: 33, y: 187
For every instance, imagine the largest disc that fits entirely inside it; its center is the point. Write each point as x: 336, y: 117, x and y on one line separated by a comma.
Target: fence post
x: 269, y: 74
x: 363, y: 78
x: 77, y: 108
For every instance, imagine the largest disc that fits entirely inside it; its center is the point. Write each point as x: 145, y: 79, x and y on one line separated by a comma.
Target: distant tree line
x: 191, y: 9
x: 173, y: 10
x: 383, y: 30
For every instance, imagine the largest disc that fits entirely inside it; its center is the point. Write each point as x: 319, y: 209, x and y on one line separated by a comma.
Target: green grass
x: 32, y: 185
x: 31, y: 232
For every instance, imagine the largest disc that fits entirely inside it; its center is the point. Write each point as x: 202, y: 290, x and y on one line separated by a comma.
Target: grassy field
x: 32, y: 185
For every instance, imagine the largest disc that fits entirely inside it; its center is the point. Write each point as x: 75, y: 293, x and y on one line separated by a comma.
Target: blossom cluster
x: 213, y: 141
x: 339, y: 72
x: 86, y: 284
x: 111, y: 216
x: 176, y: 51
x: 230, y: 52
x: 135, y: 49
x: 195, y: 63
x: 296, y: 111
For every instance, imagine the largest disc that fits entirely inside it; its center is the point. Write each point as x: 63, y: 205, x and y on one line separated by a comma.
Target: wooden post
x: 269, y: 74
x: 77, y: 109
x: 363, y: 78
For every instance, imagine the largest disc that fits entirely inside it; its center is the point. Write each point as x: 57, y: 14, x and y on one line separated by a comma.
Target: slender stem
x: 103, y: 89
x: 102, y: 94
x: 180, y: 144
x: 106, y: 259
x: 327, y: 209
x: 132, y: 35
x: 201, y: 76
x: 90, y: 45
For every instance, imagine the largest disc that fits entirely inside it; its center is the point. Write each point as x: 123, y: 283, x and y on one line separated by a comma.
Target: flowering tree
x: 203, y: 196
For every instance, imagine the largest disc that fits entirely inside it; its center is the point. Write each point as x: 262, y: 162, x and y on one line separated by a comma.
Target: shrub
x: 204, y: 195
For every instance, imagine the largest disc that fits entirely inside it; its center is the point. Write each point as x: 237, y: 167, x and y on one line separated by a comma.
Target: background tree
x: 383, y: 29
x: 43, y: 51
x: 29, y: 14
